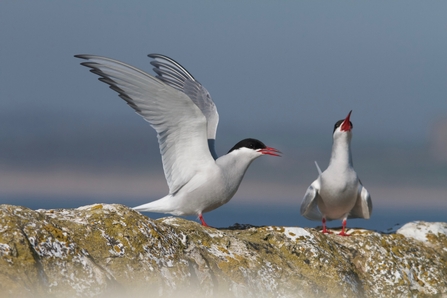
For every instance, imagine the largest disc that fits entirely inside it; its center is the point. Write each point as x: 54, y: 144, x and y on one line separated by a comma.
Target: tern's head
x: 256, y: 147
x: 343, y: 127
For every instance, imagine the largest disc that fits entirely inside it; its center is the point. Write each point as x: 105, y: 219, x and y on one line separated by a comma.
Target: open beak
x: 346, y: 125
x: 270, y: 151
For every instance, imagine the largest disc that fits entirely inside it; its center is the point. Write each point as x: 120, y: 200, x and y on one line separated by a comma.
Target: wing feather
x: 309, y: 207
x: 173, y: 74
x: 363, y: 205
x: 180, y: 124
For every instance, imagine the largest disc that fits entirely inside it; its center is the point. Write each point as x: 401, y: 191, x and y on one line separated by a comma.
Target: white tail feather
x: 318, y: 168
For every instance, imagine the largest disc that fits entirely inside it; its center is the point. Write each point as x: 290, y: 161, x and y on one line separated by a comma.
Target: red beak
x: 270, y: 151
x: 346, y: 125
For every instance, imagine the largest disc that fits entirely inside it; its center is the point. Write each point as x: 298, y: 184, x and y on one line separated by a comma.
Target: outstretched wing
x: 173, y: 74
x: 363, y: 205
x: 309, y: 207
x: 180, y: 124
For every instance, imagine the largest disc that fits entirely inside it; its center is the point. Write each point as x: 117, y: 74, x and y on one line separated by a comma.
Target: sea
x: 385, y: 220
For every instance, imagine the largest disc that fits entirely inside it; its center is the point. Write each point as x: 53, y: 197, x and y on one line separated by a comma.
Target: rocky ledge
x: 110, y: 251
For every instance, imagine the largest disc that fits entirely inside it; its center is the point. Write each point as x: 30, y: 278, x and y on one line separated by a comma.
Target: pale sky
x: 301, y: 64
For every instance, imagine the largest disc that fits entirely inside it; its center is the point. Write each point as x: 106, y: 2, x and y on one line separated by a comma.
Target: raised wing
x: 173, y: 74
x: 363, y: 205
x: 180, y: 125
x: 309, y: 207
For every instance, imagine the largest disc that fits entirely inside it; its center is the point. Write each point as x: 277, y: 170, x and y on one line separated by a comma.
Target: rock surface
x: 111, y: 251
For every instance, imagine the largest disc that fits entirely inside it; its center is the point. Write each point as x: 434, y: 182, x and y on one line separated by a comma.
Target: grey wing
x: 173, y: 74
x: 180, y: 125
x: 363, y: 206
x: 309, y: 207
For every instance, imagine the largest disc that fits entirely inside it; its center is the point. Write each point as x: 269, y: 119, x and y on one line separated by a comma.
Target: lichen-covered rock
x: 111, y: 251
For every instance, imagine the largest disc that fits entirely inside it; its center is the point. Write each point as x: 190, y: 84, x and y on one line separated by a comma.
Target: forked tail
x: 318, y: 168
x: 163, y: 205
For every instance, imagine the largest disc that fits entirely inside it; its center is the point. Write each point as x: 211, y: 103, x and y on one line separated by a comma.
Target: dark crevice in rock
x: 238, y: 226
x: 43, y: 279
x: 113, y: 286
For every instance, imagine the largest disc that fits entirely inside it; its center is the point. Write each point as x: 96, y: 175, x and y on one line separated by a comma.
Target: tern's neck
x: 341, y: 152
x: 234, y: 165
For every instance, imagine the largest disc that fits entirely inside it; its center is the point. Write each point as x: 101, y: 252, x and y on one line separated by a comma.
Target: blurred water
x: 382, y: 219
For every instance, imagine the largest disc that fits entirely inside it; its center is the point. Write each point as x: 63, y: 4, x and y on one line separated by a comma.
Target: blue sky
x: 283, y: 72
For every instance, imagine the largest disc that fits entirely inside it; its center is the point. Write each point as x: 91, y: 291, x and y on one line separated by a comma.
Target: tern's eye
x: 339, y: 122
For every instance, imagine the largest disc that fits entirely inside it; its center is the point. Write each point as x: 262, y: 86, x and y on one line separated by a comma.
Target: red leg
x: 342, y: 233
x: 203, y: 221
x: 325, y: 231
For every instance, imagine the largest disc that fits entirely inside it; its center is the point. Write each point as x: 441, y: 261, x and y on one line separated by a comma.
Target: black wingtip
x: 81, y: 56
x: 162, y: 57
x: 157, y: 64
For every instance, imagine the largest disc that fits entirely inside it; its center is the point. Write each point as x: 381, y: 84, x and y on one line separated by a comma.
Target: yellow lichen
x: 96, y: 207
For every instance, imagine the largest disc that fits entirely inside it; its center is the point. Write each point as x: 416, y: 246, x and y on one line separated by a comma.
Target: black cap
x: 249, y: 143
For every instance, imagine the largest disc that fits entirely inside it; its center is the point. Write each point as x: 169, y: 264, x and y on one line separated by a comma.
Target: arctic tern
x: 185, y: 118
x: 337, y: 193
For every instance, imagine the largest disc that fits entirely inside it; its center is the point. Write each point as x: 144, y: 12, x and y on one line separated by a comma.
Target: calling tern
x: 338, y: 193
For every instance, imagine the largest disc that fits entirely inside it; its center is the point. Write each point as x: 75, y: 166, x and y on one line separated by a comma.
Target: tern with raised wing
x: 337, y: 193
x: 185, y: 118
